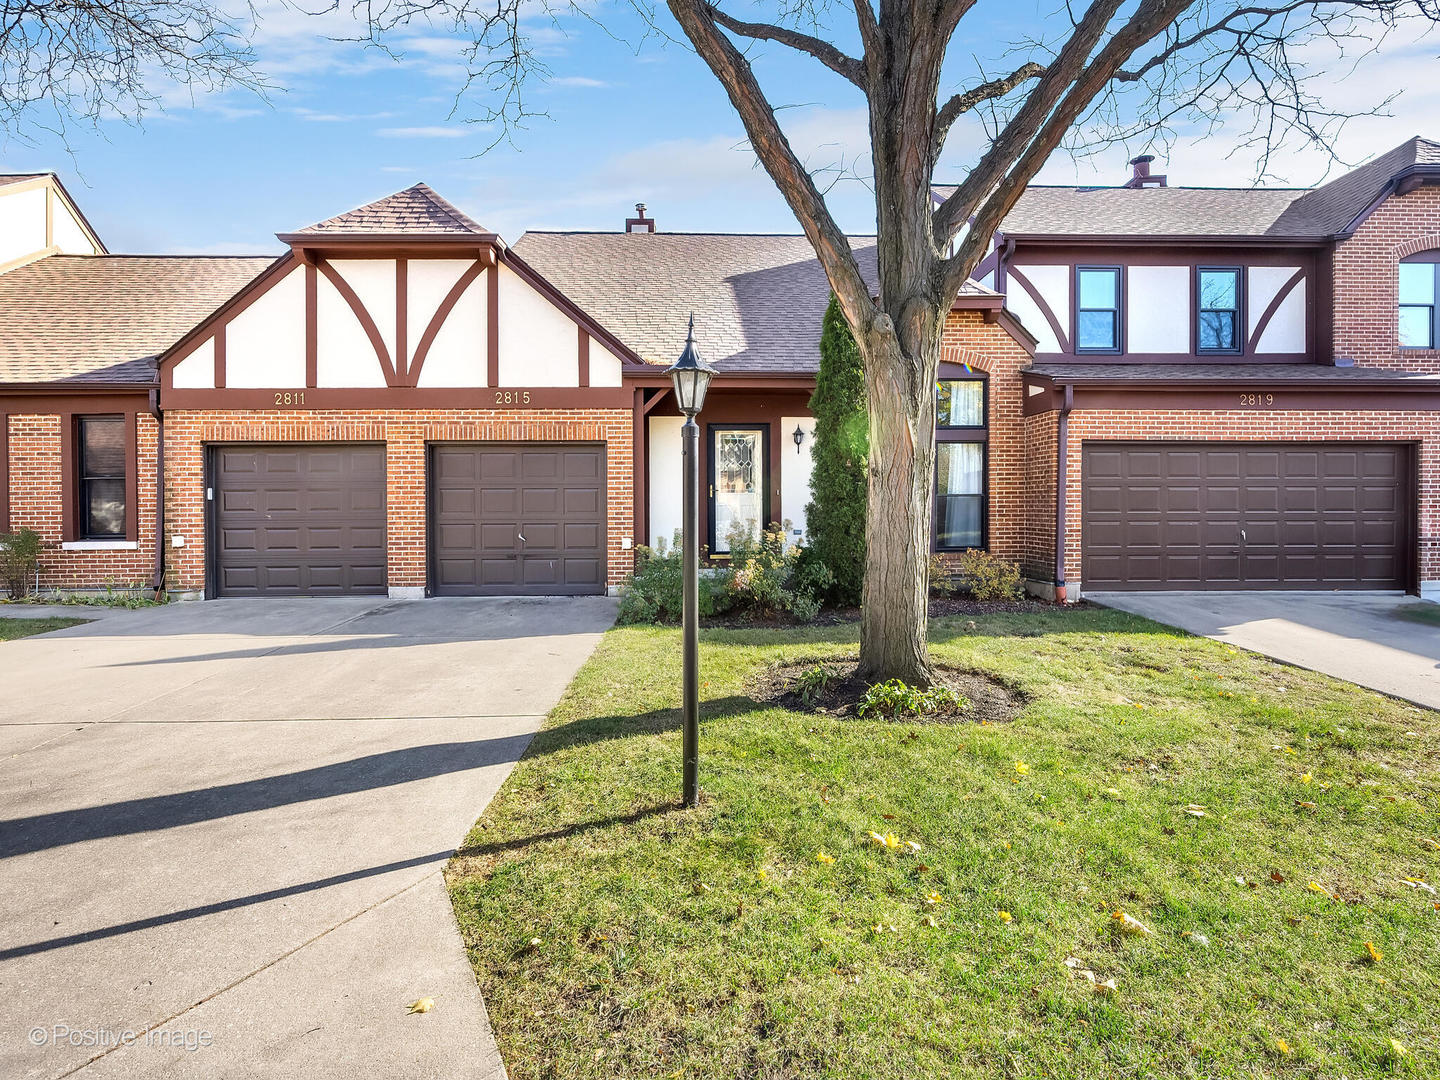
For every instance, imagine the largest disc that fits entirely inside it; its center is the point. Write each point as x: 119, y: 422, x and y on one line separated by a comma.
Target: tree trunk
x: 895, y: 604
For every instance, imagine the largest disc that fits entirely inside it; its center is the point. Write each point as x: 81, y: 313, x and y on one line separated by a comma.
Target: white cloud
x: 424, y: 131
x: 577, y: 81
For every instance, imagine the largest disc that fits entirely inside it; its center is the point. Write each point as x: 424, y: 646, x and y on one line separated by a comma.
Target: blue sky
x: 629, y: 120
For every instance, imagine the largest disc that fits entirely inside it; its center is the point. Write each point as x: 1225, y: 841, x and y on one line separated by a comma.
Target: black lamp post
x: 691, y: 377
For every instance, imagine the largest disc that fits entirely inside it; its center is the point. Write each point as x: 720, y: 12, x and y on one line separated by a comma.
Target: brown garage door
x: 299, y: 520
x: 517, y: 520
x: 1245, y: 516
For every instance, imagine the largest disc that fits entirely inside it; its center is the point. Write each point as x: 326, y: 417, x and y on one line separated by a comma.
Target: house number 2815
x: 512, y: 397
x: 1257, y: 399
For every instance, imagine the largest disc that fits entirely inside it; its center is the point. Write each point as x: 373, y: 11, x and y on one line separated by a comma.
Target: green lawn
x: 10, y: 629
x: 616, y: 936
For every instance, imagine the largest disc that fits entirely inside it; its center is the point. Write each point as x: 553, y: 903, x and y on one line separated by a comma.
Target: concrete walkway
x: 1365, y: 638
x: 222, y: 828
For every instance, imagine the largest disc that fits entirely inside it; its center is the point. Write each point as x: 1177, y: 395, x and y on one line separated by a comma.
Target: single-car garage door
x: 1245, y: 516
x: 513, y: 519
x: 299, y: 520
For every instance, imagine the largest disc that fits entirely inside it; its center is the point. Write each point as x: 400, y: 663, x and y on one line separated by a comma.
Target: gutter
x: 1062, y: 454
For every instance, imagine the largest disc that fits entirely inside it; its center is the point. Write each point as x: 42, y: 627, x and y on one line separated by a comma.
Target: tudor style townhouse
x: 1146, y: 387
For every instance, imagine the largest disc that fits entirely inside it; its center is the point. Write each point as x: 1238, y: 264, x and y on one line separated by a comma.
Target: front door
x: 737, y: 484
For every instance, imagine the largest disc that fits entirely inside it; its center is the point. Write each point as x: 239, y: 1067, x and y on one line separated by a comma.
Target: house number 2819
x: 1257, y: 399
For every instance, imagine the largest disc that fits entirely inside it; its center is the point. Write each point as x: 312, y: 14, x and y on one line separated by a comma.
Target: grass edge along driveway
x: 12, y: 629
x: 1265, y: 822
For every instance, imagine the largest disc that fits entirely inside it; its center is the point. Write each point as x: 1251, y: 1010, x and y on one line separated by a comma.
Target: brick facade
x: 1366, y: 281
x: 38, y: 493
x: 405, y: 435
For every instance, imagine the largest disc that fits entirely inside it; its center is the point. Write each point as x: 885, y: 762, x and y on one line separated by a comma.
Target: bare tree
x: 64, y: 62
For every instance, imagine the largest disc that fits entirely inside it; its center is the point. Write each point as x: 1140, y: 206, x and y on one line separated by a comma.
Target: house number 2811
x: 289, y: 397
x: 1257, y: 399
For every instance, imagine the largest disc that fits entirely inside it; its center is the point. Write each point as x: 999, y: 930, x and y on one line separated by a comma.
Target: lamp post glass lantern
x: 691, y: 377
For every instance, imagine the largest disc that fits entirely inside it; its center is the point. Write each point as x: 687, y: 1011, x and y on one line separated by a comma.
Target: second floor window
x: 102, y: 477
x: 1218, y: 316
x: 1097, y: 309
x: 1419, y: 285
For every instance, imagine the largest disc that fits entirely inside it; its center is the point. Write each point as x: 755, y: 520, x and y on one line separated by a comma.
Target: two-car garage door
x: 1218, y: 515
x: 505, y: 519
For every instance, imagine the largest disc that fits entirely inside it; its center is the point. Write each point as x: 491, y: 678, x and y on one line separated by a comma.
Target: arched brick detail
x: 1413, y: 247
x: 954, y: 354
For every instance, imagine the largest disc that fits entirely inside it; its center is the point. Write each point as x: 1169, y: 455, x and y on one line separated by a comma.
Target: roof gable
x: 416, y: 211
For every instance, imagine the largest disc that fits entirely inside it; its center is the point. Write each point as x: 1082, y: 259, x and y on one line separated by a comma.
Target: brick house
x: 1147, y: 386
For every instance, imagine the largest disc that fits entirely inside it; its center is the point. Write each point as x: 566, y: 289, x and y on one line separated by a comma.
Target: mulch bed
x: 940, y: 607
x: 990, y: 700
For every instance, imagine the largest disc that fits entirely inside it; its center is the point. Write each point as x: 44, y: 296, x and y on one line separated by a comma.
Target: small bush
x: 20, y: 561
x: 989, y: 577
x: 768, y: 574
x: 897, y: 698
x: 942, y: 580
x: 812, y: 683
x: 655, y: 591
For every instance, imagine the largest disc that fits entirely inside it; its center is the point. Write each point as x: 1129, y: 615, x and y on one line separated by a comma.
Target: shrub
x: 897, y: 698
x: 812, y: 683
x: 655, y: 591
x: 989, y: 577
x: 942, y: 580
x: 20, y: 561
x: 768, y: 574
x: 835, y: 517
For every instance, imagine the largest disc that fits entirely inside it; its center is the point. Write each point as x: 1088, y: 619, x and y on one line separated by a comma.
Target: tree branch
x: 779, y: 159
x: 963, y: 102
x: 845, y: 66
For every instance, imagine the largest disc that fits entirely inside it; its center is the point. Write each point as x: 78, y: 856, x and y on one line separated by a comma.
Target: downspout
x: 159, y: 582
x: 1062, y: 447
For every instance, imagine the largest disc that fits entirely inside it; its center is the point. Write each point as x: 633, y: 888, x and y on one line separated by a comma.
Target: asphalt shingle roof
x: 417, y: 209
x: 758, y: 299
x: 1282, y: 213
x: 104, y: 318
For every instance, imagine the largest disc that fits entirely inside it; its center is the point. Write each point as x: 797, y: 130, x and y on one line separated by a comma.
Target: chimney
x: 1140, y: 175
x: 639, y: 222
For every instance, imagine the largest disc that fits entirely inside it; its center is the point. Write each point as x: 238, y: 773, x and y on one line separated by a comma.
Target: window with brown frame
x: 100, y: 464
x: 962, y: 490
x: 1217, y: 319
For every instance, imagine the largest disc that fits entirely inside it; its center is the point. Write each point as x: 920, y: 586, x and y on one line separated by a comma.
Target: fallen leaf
x: 1429, y: 845
x: 1277, y: 877
x: 1073, y: 962
x: 1114, y: 793
x: 1306, y: 778
x: 1375, y: 954
x: 1399, y: 1048
x: 1131, y: 925
x: 934, y: 898
x: 1105, y: 988
x: 1283, y: 1047
x: 1414, y: 884
x: 913, y: 846
x: 420, y: 1005
x: 1303, y: 805
x: 1195, y: 937
x: 1005, y: 916
x: 822, y: 857
x: 1021, y: 768
x: 1315, y: 886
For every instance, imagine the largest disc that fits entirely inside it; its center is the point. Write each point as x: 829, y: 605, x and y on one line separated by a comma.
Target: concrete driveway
x: 222, y: 827
x: 1372, y: 639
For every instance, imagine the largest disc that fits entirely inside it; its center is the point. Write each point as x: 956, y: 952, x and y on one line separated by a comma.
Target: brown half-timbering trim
x: 538, y: 282
x: 69, y: 489
x: 312, y: 325
x: 1044, y: 306
x: 426, y: 242
x: 382, y: 351
x: 640, y: 459
x: 654, y: 376
x: 5, y: 472
x: 1274, y: 306
x: 1165, y: 243
x: 1178, y: 359
x: 655, y: 399
x: 257, y: 287
x: 582, y: 354
x: 402, y: 301
x: 492, y: 326
x: 58, y: 401
x: 1286, y: 398
x: 500, y: 399
x: 219, y: 348
x: 447, y: 305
